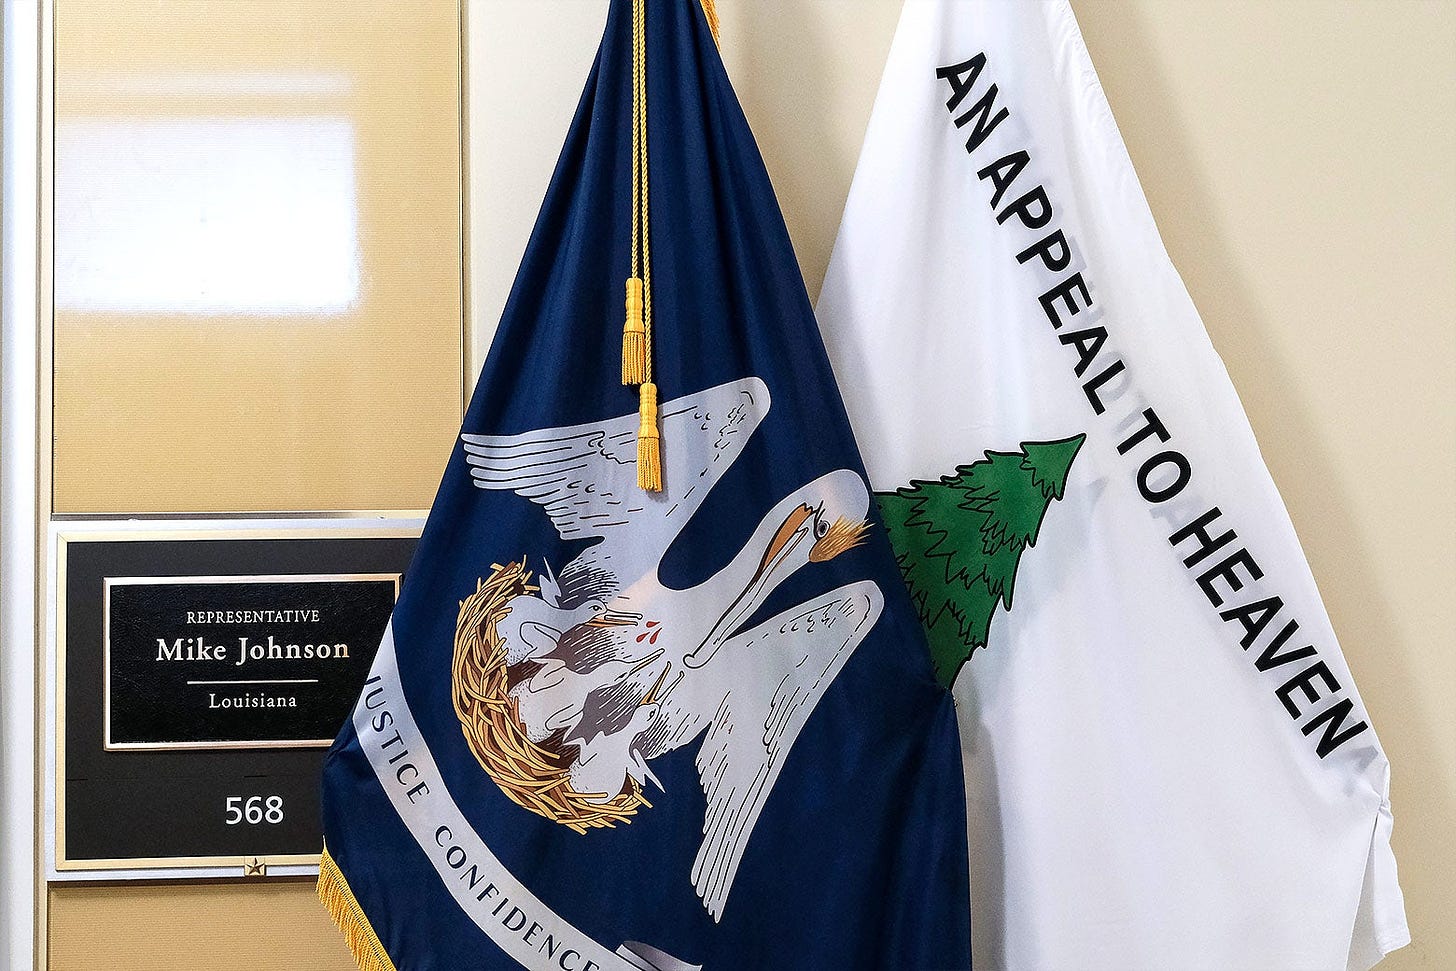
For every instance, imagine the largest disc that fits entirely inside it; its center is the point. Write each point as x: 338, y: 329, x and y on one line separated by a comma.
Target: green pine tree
x: 959, y: 540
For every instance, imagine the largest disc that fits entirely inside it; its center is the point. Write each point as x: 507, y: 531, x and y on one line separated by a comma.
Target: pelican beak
x: 652, y: 697
x: 646, y: 661
x: 790, y: 533
x: 797, y: 525
x: 614, y: 618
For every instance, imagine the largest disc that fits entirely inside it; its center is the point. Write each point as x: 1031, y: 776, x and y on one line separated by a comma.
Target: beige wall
x: 1300, y: 158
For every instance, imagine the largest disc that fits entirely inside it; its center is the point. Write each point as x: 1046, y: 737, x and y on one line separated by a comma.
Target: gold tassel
x: 634, y: 337
x: 649, y: 443
x: 339, y: 901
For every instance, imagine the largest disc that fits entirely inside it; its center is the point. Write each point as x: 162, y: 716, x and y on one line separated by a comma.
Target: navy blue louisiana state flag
x: 614, y: 728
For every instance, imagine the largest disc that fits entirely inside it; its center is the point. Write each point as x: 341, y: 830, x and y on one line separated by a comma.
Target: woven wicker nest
x: 533, y: 774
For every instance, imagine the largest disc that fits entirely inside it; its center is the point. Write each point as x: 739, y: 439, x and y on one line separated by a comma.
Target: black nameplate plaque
x: 156, y: 767
x: 214, y: 662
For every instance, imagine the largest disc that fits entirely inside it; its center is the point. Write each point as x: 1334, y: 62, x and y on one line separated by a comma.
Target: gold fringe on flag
x: 339, y: 901
x: 710, y: 11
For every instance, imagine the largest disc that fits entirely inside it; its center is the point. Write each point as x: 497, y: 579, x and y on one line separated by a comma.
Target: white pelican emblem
x: 568, y: 690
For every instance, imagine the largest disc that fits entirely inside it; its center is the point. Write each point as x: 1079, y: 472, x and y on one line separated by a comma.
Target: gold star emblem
x: 255, y: 866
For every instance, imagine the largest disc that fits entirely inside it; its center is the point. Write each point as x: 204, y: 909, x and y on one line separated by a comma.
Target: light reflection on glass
x: 206, y: 215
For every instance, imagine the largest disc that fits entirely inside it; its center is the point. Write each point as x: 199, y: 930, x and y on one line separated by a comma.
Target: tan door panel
x: 257, y: 254
x: 260, y: 926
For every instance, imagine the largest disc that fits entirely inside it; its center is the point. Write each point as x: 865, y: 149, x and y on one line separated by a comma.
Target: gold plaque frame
x: 59, y: 867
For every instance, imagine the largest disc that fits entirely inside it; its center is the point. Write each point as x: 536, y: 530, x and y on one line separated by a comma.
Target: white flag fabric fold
x: 1168, y: 764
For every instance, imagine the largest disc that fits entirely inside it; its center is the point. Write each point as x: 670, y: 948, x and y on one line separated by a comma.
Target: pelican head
x: 809, y: 535
x: 814, y: 524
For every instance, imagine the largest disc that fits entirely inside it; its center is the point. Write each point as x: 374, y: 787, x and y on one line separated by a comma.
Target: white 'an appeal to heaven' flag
x: 1168, y: 765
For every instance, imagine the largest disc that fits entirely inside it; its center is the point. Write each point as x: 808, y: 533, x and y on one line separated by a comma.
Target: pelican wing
x: 585, y: 478
x: 775, y: 675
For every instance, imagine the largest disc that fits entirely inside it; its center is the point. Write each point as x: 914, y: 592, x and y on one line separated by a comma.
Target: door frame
x: 24, y: 479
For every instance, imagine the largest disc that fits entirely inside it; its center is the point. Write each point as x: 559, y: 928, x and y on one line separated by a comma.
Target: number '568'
x: 254, y: 810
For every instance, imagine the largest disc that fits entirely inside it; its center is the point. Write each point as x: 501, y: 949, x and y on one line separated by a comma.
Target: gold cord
x: 637, y: 330
x: 637, y: 64
x: 634, y: 331
x: 645, y: 225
